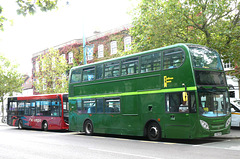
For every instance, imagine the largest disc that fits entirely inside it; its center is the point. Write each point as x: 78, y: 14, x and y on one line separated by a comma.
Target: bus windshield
x: 203, y: 57
x: 213, y: 103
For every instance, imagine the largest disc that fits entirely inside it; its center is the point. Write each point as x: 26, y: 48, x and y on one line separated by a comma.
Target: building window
x: 100, y: 51
x: 127, y: 43
x: 113, y: 47
x: 70, y: 57
x: 228, y: 65
x: 37, y: 66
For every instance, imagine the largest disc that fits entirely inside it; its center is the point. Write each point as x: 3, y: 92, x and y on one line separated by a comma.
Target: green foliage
x: 213, y: 23
x: 10, y: 79
x: 30, y: 7
x: 2, y: 19
x: 51, y: 75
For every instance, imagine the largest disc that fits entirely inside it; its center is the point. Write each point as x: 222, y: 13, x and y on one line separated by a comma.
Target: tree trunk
x: 2, y: 108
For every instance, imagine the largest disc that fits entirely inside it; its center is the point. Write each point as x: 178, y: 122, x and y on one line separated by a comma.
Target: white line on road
x: 122, y: 153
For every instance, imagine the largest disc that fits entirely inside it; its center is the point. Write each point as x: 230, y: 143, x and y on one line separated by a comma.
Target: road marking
x: 169, y: 143
x: 123, y: 139
x: 99, y: 137
x: 153, y: 142
x: 122, y: 153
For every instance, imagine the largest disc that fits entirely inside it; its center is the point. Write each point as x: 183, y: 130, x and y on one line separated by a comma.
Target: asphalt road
x: 36, y: 144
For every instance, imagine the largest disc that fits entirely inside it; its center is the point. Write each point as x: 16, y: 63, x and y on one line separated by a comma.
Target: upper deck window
x: 151, y: 62
x: 76, y: 76
x: 130, y: 66
x: 89, y: 74
x: 112, y: 69
x: 173, y: 58
x: 203, y: 57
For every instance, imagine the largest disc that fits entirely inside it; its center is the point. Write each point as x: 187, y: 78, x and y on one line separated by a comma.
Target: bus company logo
x: 35, y: 120
x: 167, y: 80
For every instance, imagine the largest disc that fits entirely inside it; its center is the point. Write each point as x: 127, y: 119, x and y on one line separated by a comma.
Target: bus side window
x: 89, y: 74
x: 76, y: 76
x: 99, y: 71
x: 112, y: 105
x: 32, y: 108
x: 175, y: 103
x: 27, y: 109
x: 79, y: 106
x: 130, y: 66
x: 151, y: 62
x: 89, y: 106
x: 100, y: 105
x: 20, y: 108
x: 173, y: 58
x: 38, y: 108
x: 112, y: 69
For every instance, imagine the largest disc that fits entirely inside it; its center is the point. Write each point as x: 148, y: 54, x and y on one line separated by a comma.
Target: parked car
x: 235, y: 110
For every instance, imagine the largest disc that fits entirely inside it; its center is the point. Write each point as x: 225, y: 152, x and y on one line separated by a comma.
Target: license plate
x: 218, y: 134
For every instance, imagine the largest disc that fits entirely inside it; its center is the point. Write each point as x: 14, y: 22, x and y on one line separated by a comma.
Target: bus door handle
x: 172, y: 117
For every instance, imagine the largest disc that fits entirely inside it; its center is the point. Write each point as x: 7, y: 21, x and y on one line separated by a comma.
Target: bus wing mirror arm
x: 184, y: 87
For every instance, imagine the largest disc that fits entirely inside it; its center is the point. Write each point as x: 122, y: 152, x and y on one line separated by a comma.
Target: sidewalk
x: 3, y: 124
x: 234, y: 134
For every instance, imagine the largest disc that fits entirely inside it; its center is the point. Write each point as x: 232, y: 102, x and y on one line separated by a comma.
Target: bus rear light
x: 204, y: 124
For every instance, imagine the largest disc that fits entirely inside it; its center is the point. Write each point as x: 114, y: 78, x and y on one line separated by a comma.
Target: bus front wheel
x: 20, y: 124
x: 154, y: 131
x: 45, y: 126
x: 88, y: 127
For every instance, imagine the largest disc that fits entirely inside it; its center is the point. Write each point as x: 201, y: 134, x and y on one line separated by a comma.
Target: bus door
x: 179, y: 116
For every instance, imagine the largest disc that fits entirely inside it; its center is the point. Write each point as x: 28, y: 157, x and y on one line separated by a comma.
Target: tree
x: 30, y: 7
x: 51, y: 76
x: 10, y: 79
x: 214, y: 23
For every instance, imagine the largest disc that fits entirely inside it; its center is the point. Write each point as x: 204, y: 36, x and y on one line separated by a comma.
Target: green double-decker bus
x: 178, y: 91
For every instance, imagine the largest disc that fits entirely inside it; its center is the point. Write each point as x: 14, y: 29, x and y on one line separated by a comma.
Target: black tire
x: 154, y: 131
x: 20, y: 124
x: 45, y: 126
x: 88, y: 127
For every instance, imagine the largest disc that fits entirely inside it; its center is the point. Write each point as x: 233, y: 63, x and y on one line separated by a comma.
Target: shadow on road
x: 180, y: 141
x: 139, y: 138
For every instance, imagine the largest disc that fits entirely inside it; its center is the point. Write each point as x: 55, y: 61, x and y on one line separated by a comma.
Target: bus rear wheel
x: 20, y: 124
x: 45, y: 126
x: 154, y: 131
x: 88, y: 127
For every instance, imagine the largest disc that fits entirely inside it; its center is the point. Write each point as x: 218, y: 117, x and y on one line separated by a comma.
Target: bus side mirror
x: 185, y: 96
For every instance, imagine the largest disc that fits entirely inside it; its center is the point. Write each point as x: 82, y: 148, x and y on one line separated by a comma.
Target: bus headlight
x: 204, y: 124
x: 228, y: 122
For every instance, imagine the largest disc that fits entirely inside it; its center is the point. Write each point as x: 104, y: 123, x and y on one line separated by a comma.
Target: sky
x: 25, y: 36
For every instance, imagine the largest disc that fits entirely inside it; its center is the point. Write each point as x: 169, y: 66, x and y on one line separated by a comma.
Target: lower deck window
x: 112, y: 106
x: 181, y: 102
x: 101, y: 105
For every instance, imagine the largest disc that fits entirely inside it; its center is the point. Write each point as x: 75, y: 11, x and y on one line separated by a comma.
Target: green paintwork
x: 138, y: 92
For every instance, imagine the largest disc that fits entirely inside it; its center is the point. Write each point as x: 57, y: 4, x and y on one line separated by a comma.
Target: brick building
x: 100, y: 46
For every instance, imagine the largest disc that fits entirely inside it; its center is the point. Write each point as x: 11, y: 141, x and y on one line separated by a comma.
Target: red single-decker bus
x: 46, y: 112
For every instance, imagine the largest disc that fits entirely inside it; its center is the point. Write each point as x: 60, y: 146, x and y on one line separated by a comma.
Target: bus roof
x: 37, y: 97
x: 135, y: 54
